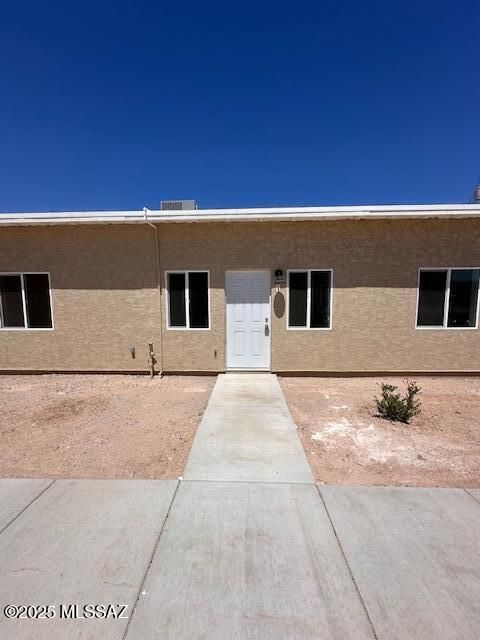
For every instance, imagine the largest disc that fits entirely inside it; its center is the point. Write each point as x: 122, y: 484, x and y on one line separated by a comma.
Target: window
x: 188, y: 299
x: 448, y: 298
x: 309, y: 299
x: 25, y: 301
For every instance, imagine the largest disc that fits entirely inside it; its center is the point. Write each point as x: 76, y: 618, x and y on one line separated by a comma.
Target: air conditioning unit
x: 178, y: 205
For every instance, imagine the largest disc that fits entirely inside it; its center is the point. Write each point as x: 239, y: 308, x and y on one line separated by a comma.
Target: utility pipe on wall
x: 159, y: 285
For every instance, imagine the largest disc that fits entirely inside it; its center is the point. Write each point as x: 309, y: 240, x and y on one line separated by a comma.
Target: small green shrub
x: 393, y: 406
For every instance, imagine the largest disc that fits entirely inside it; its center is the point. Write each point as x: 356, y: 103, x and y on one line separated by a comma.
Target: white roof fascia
x: 377, y: 212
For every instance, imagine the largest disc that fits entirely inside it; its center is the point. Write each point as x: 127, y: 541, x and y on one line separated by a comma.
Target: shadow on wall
x: 369, y: 254
x: 101, y: 257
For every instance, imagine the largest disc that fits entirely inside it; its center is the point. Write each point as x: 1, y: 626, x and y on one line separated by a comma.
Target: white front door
x: 248, y: 319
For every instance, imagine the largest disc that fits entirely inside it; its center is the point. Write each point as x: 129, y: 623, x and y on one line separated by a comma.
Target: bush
x: 393, y: 406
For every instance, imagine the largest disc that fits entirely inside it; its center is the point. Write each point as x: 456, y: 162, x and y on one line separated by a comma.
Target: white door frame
x: 269, y: 315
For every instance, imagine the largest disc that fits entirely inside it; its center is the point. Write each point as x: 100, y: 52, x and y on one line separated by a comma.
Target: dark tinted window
x: 431, y: 298
x: 198, y: 294
x: 320, y: 299
x: 297, y: 299
x: 37, y: 296
x: 11, y: 300
x: 176, y: 299
x: 462, y: 310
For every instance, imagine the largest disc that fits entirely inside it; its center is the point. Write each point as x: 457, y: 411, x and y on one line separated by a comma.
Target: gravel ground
x: 99, y: 426
x: 346, y: 444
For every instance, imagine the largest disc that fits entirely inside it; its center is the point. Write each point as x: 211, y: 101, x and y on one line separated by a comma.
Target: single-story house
x: 321, y: 290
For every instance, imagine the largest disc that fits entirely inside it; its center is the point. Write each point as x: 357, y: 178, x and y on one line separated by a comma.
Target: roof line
x: 373, y: 212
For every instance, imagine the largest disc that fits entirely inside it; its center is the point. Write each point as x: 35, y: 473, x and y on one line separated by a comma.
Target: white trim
x: 187, y: 300
x: 1, y: 313
x: 446, y: 304
x: 309, y: 296
x: 374, y: 212
x: 24, y: 301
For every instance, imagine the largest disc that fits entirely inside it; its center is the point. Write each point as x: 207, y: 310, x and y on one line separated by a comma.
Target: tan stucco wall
x: 375, y: 269
x: 105, y: 298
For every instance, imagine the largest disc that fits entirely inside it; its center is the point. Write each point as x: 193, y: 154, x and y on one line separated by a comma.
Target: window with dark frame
x: 25, y: 301
x: 309, y: 298
x: 448, y: 298
x: 188, y: 300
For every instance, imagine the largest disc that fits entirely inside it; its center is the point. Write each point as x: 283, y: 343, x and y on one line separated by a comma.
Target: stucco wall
x: 105, y: 298
x: 375, y: 268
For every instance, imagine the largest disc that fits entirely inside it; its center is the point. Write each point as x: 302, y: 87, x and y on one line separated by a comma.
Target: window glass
x: 11, y: 300
x: 198, y: 300
x: 37, y: 296
x: 297, y: 297
x: 176, y: 300
x: 320, y: 299
x: 431, y: 298
x: 462, y: 310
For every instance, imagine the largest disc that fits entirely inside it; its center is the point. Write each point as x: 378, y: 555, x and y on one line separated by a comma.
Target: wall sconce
x: 279, y: 278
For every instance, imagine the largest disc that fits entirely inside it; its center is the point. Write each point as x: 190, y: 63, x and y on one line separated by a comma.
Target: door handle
x: 267, y: 329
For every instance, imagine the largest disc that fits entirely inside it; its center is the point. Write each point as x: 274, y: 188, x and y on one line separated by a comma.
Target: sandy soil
x: 99, y: 426
x: 346, y: 444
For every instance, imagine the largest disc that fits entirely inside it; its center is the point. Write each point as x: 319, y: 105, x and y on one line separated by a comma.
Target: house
x: 321, y: 290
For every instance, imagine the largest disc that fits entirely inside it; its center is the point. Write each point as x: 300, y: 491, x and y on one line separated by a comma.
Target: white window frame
x: 24, y: 301
x: 187, y: 300
x: 446, y: 302
x: 309, y: 294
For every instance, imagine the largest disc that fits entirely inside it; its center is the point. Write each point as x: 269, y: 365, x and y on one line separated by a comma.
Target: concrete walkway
x: 247, y: 434
x: 246, y: 547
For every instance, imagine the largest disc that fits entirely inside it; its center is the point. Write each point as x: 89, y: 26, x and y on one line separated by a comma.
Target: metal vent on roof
x: 178, y: 205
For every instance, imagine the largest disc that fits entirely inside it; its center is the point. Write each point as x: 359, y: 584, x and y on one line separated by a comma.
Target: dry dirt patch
x: 346, y: 444
x: 99, y: 426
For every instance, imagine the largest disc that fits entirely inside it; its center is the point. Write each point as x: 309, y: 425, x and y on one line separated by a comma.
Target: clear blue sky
x: 121, y: 104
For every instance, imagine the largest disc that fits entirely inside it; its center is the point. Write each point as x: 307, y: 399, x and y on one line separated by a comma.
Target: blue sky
x: 107, y: 105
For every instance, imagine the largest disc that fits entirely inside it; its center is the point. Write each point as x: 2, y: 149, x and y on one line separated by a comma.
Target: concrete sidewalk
x: 246, y: 547
x: 241, y: 560
x: 415, y: 556
x: 77, y: 542
x: 248, y: 560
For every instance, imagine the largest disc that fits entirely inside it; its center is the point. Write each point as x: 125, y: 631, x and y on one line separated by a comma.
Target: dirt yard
x: 346, y: 444
x: 99, y: 426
